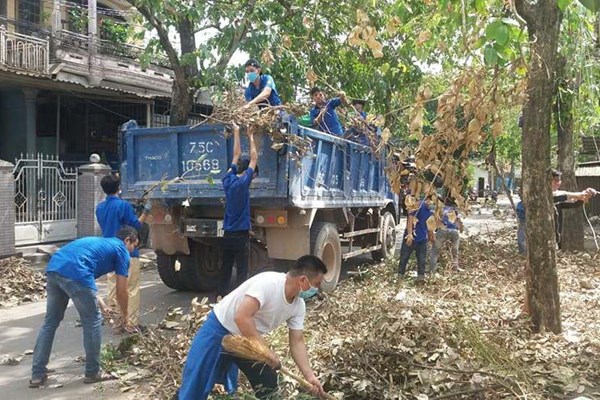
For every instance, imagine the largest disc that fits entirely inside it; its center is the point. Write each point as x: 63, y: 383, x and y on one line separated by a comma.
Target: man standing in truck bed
x: 236, y: 223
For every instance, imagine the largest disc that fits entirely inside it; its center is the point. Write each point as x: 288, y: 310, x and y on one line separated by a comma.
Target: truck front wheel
x: 325, y: 244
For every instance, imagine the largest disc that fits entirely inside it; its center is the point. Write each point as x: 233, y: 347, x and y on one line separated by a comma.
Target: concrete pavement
x: 20, y: 325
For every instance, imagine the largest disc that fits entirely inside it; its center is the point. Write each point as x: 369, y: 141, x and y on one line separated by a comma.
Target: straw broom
x: 255, y: 350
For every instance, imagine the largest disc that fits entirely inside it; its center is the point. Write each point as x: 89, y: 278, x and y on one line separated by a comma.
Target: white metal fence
x: 45, y: 200
x: 24, y: 52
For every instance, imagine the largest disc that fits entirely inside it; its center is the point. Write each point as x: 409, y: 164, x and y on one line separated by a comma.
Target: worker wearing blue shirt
x: 416, y: 236
x: 359, y: 106
x: 261, y: 89
x: 323, y: 114
x: 236, y: 224
x: 71, y: 275
x: 113, y: 214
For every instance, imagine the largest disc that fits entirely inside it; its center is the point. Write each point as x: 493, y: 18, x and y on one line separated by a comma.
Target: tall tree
x: 543, y: 19
x: 194, y: 64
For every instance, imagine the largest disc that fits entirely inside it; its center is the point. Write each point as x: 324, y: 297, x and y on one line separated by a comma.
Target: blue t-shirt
x: 237, y: 200
x: 330, y: 122
x: 113, y: 214
x: 422, y: 215
x: 446, y: 217
x: 265, y: 81
x: 85, y: 260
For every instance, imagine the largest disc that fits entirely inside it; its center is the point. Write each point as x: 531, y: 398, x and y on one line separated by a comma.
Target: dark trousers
x: 235, y: 251
x: 406, y: 251
x: 262, y: 377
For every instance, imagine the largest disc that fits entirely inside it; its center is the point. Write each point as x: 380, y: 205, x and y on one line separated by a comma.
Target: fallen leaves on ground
x: 461, y: 335
x: 19, y: 283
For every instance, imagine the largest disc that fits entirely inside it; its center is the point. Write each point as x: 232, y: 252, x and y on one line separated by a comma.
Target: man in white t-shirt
x: 256, y: 307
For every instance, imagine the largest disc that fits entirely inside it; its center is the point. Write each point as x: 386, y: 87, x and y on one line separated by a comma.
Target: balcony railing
x: 22, y: 52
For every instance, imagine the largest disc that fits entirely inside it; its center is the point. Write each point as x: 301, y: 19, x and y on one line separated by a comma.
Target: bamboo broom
x: 255, y: 350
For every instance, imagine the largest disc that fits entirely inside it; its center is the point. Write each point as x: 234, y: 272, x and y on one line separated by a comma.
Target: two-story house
x: 70, y: 75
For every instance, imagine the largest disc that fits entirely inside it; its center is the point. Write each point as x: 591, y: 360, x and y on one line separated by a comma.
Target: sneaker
x: 420, y: 280
x: 37, y: 382
x: 99, y: 376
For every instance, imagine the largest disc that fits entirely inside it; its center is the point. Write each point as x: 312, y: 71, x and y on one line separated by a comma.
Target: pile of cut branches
x: 269, y: 120
x: 19, y: 283
x: 462, y: 335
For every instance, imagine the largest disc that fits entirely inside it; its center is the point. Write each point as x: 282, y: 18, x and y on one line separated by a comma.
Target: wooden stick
x: 303, y: 382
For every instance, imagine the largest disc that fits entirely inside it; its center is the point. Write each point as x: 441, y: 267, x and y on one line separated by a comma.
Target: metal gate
x: 45, y: 200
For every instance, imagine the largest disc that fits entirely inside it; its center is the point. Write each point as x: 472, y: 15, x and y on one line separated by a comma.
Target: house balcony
x: 24, y: 53
x: 79, y: 51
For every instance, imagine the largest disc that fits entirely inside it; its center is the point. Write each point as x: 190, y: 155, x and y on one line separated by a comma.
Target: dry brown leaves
x: 461, y: 335
x: 162, y: 351
x: 19, y: 283
x: 467, y: 112
x: 267, y: 120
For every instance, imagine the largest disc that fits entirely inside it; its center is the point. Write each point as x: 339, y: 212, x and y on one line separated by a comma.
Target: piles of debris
x: 461, y: 335
x: 19, y: 283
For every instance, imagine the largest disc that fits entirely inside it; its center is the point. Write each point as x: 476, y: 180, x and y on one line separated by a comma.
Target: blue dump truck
x: 334, y: 202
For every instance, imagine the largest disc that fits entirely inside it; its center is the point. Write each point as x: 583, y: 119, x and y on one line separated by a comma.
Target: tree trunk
x: 182, y: 99
x: 572, y: 218
x: 543, y: 22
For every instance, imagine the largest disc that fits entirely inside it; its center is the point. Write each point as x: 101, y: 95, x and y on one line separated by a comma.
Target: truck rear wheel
x: 201, y: 270
x: 325, y: 244
x: 388, y: 236
x: 258, y: 259
x: 167, y: 272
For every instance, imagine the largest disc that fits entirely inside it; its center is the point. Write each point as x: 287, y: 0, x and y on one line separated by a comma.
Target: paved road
x: 19, y: 326
x: 19, y: 329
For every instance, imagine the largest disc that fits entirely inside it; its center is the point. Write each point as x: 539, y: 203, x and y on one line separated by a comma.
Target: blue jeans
x: 406, y: 251
x: 59, y: 290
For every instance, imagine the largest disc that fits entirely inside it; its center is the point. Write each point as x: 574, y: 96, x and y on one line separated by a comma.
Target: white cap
x: 94, y: 158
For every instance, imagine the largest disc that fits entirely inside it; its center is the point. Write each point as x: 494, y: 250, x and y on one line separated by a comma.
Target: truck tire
x: 167, y: 273
x: 258, y: 259
x: 388, y: 235
x: 201, y: 270
x: 325, y: 244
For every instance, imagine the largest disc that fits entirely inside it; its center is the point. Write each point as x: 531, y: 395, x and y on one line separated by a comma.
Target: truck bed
x: 336, y: 172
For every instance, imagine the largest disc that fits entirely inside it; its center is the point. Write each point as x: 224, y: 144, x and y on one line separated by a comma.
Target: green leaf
x: 210, y: 180
x: 480, y: 6
x: 497, y: 31
x: 490, y: 56
x: 385, y: 68
x: 592, y: 5
x: 563, y: 4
